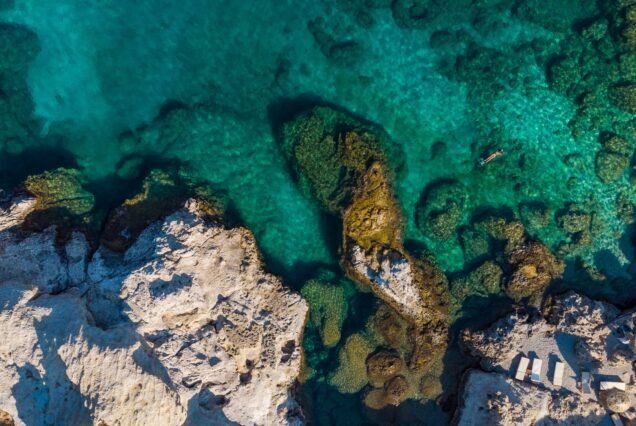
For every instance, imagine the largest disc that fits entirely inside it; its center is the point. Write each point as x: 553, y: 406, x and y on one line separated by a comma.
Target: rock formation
x: 185, y: 327
x: 342, y: 163
x: 494, y: 399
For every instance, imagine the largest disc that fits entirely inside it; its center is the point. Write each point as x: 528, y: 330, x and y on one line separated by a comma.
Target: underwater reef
x: 379, y: 179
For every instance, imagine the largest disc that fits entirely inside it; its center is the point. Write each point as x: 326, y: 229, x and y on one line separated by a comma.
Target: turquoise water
x: 471, y: 78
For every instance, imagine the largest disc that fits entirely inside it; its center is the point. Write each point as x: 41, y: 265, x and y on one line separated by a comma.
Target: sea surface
x: 453, y: 82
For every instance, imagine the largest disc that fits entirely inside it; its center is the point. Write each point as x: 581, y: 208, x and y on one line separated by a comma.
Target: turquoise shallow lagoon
x: 450, y: 82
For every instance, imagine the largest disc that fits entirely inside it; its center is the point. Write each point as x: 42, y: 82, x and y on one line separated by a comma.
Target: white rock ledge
x: 186, y: 328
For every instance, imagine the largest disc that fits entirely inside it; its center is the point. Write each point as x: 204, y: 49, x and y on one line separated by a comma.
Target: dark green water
x: 450, y: 82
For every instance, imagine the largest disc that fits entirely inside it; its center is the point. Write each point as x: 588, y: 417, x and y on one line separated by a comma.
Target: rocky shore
x: 184, y: 327
x: 571, y: 329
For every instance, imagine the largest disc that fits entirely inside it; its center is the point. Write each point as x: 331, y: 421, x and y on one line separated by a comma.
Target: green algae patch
x: 327, y: 309
x: 162, y: 193
x: 351, y: 374
x: 62, y: 201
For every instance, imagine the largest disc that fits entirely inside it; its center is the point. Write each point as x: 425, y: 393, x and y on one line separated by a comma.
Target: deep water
x: 450, y: 86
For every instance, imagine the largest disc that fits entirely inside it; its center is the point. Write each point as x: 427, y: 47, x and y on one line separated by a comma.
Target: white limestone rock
x: 184, y: 328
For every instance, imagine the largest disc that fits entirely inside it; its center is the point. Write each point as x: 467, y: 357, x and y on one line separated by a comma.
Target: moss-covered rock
x: 330, y: 151
x: 383, y: 366
x: 610, y: 166
x: 475, y: 244
x: 614, y: 143
x: 483, y: 280
x: 394, y: 392
x: 351, y: 374
x: 625, y: 209
x: 342, y: 163
x: 573, y: 219
x: 162, y: 193
x: 62, y: 200
x: 624, y: 97
x: 500, y: 228
x: 390, y: 327
x: 440, y: 209
x: 374, y: 216
x: 327, y: 309
x: 533, y: 268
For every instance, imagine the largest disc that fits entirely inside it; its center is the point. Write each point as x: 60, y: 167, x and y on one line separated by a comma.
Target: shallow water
x: 110, y: 68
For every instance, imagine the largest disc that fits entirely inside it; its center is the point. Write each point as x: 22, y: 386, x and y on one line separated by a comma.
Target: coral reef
x: 440, y: 209
x: 373, y: 217
x: 327, y: 309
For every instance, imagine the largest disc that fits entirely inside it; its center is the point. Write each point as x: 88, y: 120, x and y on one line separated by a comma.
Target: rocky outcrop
x: 185, y: 327
x: 341, y: 161
x: 494, y: 399
x: 572, y: 314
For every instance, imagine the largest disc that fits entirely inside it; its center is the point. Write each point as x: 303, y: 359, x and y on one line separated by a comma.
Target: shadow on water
x: 477, y: 313
x: 16, y: 167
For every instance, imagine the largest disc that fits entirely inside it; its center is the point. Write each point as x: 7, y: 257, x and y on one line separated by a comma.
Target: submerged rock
x: 327, y: 309
x: 341, y: 162
x: 610, y: 166
x: 185, y: 327
x: 534, y: 215
x: 482, y: 281
x: 624, y: 97
x: 440, y: 210
x: 383, y: 366
x: 330, y: 151
x: 351, y: 374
